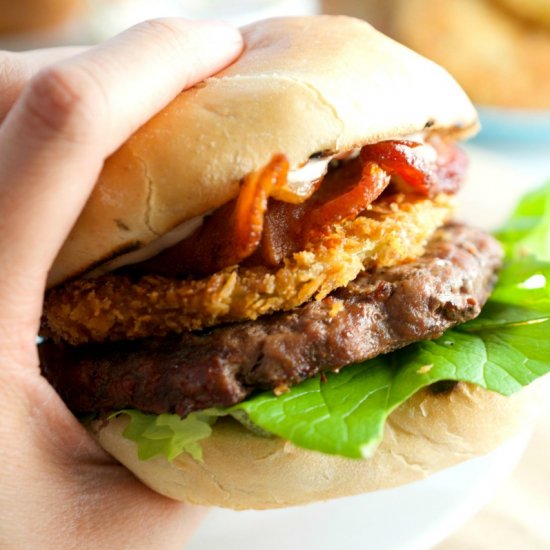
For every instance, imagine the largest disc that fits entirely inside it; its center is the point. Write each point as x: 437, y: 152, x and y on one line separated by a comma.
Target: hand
x: 62, y: 112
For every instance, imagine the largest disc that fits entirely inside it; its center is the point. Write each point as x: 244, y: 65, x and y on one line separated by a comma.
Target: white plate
x: 412, y: 517
x: 499, y: 175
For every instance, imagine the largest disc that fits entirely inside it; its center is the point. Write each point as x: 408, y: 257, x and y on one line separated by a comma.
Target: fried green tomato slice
x: 116, y: 307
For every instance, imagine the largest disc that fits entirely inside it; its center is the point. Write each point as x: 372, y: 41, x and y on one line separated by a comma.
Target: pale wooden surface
x: 518, y: 517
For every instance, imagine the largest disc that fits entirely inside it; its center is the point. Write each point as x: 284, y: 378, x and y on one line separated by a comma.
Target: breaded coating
x: 114, y: 307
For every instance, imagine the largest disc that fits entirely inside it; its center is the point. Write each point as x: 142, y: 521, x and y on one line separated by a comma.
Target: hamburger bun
x: 428, y: 433
x: 302, y: 86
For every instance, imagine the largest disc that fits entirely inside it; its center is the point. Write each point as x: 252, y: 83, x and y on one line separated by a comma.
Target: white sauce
x: 151, y: 249
x: 310, y: 172
x: 426, y: 151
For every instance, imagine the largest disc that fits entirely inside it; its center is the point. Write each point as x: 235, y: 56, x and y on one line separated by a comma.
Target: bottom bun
x: 430, y: 432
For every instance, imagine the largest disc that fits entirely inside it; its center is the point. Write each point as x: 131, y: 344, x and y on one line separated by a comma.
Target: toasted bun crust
x: 302, y: 85
x: 240, y: 470
x: 502, y: 60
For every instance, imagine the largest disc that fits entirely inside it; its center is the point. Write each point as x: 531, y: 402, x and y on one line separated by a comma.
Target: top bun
x: 302, y: 85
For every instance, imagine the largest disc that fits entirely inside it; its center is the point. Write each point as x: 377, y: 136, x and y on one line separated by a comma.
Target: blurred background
x: 35, y: 23
x: 499, y: 51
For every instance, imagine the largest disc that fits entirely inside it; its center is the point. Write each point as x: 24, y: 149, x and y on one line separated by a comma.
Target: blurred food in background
x: 378, y: 13
x: 27, y: 24
x: 109, y: 18
x: 537, y: 11
x: 18, y: 16
x: 499, y: 50
x: 30, y: 24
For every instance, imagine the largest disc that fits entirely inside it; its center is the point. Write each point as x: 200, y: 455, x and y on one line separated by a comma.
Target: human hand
x: 58, y: 489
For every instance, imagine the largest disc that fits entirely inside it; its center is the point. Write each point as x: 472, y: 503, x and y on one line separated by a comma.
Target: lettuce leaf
x: 345, y: 414
x: 503, y: 350
x: 528, y: 229
x: 168, y: 434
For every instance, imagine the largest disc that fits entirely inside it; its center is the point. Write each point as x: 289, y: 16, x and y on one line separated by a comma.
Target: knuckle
x: 174, y: 35
x: 9, y: 71
x: 64, y: 101
x: 162, y: 29
x: 6, y: 63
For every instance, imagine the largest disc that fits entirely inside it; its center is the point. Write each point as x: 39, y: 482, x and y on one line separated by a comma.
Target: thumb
x: 71, y: 116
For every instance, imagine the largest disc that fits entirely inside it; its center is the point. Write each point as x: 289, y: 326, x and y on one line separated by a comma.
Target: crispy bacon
x: 268, y: 221
x: 246, y: 223
x: 344, y: 194
x: 451, y: 165
x: 229, y: 235
x: 348, y: 205
x: 427, y: 169
x: 402, y: 160
x: 281, y: 235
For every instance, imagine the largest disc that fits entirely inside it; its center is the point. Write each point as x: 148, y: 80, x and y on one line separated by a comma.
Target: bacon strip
x: 451, y: 165
x: 229, y: 235
x: 399, y: 158
x: 267, y: 223
x: 343, y: 195
x: 414, y: 168
x: 347, y: 206
x: 247, y: 219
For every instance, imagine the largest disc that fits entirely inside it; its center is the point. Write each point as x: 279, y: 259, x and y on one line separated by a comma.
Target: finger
x: 74, y: 114
x: 17, y: 68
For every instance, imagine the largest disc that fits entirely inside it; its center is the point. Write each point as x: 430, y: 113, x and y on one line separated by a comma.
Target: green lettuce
x: 503, y: 350
x: 345, y: 414
x: 528, y: 230
x: 168, y: 434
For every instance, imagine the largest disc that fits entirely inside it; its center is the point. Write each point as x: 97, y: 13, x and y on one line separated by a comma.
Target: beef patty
x: 380, y: 311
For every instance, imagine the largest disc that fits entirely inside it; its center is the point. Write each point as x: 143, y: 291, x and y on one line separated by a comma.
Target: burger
x: 255, y: 308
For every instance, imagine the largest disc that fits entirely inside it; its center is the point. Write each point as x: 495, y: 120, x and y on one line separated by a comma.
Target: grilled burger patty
x: 380, y: 311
